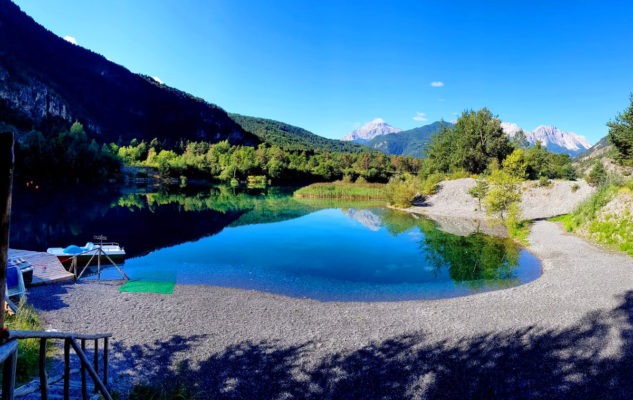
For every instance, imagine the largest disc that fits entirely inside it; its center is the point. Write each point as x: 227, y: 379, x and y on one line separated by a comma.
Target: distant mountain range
x: 381, y: 136
x: 406, y: 143
x: 370, y: 130
x: 46, y: 81
x: 554, y: 139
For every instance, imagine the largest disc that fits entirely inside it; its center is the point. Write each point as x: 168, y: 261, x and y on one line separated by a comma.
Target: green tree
x: 597, y: 175
x: 480, y: 139
x: 516, y: 164
x: 621, y: 133
x: 520, y: 141
x: 503, y: 193
x: 479, y: 191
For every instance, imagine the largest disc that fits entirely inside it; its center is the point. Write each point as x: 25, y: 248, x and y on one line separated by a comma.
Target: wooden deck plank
x: 46, y: 267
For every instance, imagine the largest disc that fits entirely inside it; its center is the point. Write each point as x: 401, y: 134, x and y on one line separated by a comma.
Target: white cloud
x: 420, y: 117
x: 157, y: 79
x: 70, y: 39
x: 437, y: 83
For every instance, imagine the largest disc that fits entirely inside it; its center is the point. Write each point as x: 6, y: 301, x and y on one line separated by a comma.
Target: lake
x: 264, y: 239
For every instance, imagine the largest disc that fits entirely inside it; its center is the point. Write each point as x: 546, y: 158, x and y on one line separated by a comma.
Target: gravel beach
x: 569, y: 334
x: 453, y: 200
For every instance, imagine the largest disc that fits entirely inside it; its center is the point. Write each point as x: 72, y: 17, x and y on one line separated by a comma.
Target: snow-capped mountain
x: 370, y: 130
x: 554, y: 139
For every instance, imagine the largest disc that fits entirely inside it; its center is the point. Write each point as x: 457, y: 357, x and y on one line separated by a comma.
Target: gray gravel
x: 452, y: 199
x: 569, y: 334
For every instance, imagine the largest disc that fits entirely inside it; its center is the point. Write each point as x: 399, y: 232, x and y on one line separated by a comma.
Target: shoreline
x: 208, y: 325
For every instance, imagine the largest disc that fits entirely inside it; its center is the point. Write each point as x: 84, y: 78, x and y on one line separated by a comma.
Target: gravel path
x: 569, y: 334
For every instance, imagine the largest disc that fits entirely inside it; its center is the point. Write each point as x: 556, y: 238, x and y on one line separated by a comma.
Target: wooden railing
x: 70, y: 340
x: 8, y: 356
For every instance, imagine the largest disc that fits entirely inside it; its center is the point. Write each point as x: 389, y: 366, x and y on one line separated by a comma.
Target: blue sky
x: 329, y: 66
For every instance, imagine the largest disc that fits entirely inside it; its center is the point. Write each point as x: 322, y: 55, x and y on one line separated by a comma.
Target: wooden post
x: 96, y: 359
x: 99, y: 264
x: 66, y: 369
x: 43, y: 376
x: 6, y: 181
x: 99, y: 386
x: 84, y: 390
x: 8, y: 369
x: 105, y: 361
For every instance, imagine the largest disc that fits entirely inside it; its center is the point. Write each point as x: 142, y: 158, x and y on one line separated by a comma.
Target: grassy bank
x: 28, y: 349
x: 343, y: 190
x: 606, y: 218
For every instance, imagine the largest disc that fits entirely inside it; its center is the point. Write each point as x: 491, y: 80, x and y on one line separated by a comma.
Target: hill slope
x: 406, y: 143
x: 43, y: 79
x: 292, y: 137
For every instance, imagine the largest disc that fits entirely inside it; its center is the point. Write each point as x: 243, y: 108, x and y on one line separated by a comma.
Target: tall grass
x: 616, y: 232
x: 343, y: 190
x: 28, y: 349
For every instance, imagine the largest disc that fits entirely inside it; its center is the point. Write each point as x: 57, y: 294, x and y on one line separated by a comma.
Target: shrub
x: 479, y: 191
x: 28, y: 349
x: 361, y: 180
x: 502, y: 193
x: 401, y: 191
x: 544, y: 181
x: 597, y: 175
x: 575, y: 187
x: 428, y: 186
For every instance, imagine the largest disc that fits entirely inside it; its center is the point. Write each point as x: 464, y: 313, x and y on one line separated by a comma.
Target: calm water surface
x: 268, y: 240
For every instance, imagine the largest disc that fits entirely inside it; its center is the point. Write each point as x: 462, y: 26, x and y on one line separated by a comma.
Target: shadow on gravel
x: 594, y: 359
x: 48, y: 297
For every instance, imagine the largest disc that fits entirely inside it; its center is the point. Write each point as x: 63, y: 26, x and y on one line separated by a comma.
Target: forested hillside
x: 46, y: 81
x: 292, y: 137
x: 407, y: 143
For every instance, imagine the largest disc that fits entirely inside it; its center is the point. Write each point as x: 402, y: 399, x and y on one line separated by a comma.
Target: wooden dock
x: 46, y: 267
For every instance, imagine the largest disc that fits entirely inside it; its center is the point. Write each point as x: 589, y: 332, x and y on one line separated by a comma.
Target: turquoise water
x: 270, y: 241
x: 329, y: 255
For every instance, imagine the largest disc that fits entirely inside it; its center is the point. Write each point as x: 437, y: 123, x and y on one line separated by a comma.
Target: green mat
x: 148, y: 287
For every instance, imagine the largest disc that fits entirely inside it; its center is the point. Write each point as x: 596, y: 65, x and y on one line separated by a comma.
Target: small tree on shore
x: 479, y: 191
x: 621, y: 133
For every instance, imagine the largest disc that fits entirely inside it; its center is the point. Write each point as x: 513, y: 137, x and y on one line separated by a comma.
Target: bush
x: 479, y: 191
x: 401, y: 191
x: 28, y: 349
x: 597, y: 175
x: 428, y: 186
x: 575, y: 187
x: 502, y: 194
x: 361, y: 180
x: 544, y: 181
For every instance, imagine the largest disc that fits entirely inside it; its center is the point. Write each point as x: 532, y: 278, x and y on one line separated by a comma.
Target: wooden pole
x: 96, y: 359
x: 93, y: 374
x: 66, y: 369
x: 8, y: 369
x: 105, y: 361
x: 43, y: 377
x: 6, y: 181
x: 84, y: 390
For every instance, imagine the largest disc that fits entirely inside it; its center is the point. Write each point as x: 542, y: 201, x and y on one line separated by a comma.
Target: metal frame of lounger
x: 21, y: 288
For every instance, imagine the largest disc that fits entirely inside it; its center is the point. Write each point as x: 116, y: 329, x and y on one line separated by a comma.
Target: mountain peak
x: 554, y: 139
x: 370, y: 130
